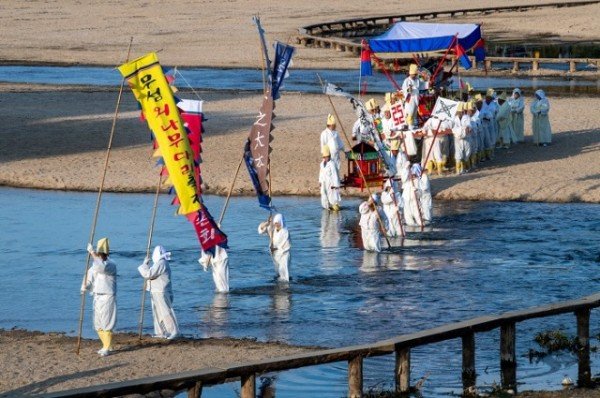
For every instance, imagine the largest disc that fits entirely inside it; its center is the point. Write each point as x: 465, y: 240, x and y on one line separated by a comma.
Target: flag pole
x: 230, y: 191
x: 99, y: 198
x: 150, y: 233
x: 381, y: 226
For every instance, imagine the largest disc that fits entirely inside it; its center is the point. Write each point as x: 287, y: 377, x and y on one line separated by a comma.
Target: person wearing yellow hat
x: 504, y: 118
x: 410, y: 90
x: 460, y: 131
x: 389, y: 132
x: 329, y: 181
x: 487, y: 113
x: 101, y: 282
x: 517, y: 106
x: 331, y: 138
x: 437, y: 158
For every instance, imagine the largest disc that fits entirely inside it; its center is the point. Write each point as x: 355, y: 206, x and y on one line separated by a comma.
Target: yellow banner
x: 150, y: 87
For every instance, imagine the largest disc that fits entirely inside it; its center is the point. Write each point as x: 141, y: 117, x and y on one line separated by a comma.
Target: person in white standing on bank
x: 101, y: 281
x: 542, y: 132
x: 331, y: 138
x: 158, y: 283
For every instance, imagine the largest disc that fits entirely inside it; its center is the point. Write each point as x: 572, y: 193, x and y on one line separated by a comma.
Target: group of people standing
x: 101, y: 280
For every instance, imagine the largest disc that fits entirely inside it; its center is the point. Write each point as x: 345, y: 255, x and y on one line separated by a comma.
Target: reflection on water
x: 477, y: 258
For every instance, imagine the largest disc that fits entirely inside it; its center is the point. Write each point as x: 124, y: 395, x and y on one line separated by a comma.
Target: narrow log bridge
x: 400, y: 346
x: 339, y: 35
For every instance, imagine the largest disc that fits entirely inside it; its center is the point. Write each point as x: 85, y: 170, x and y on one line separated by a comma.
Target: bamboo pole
x: 150, y: 233
x: 230, y: 191
x: 381, y: 226
x: 99, y: 199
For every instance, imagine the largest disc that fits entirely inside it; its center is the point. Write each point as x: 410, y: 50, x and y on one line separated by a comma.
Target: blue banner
x: 283, y: 57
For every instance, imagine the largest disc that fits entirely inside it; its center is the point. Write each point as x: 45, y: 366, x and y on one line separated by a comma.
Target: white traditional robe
x: 542, y: 132
x: 391, y: 207
x: 158, y: 283
x: 369, y: 227
x: 506, y: 133
x: 425, y: 198
x: 280, y: 246
x: 517, y: 105
x: 330, y: 185
x: 460, y: 133
x: 411, y: 87
x: 332, y: 139
x: 102, y: 283
x: 487, y: 114
x: 218, y: 260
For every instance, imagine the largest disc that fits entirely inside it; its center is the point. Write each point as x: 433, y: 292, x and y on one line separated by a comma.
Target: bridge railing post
x: 355, y: 377
x: 195, y: 391
x: 584, y: 377
x: 508, y: 361
x: 468, y: 364
x: 402, y: 370
x: 248, y: 386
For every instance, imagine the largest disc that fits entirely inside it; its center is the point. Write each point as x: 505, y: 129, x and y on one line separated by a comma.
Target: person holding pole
x: 158, y: 283
x: 392, y: 203
x: 101, y: 282
x: 369, y: 226
x: 218, y: 259
x: 410, y: 90
x: 280, y: 245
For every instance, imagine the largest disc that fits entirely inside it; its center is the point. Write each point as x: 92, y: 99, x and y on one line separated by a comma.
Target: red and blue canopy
x: 416, y: 37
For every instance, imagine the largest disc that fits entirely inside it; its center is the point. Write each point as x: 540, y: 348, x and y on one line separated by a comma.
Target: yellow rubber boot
x: 440, y: 168
x: 458, y: 167
x: 102, y: 336
x: 109, y: 340
x: 430, y: 166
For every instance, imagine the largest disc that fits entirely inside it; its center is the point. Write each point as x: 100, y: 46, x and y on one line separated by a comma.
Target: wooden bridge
x: 338, y: 35
x: 400, y: 346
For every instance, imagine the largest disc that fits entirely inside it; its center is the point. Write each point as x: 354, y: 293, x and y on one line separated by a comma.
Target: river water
x: 300, y: 80
x: 478, y: 258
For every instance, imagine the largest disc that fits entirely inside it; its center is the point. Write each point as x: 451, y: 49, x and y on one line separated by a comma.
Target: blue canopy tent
x: 416, y: 37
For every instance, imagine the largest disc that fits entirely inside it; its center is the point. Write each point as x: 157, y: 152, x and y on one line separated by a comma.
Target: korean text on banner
x: 150, y: 87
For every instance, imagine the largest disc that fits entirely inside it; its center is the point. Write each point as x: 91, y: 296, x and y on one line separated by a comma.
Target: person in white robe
x: 369, y: 224
x: 424, y: 187
x: 475, y: 131
x: 505, y: 130
x: 101, y: 282
x: 218, y: 260
x: 331, y: 138
x: 280, y: 245
x: 411, y: 199
x: 540, y: 125
x: 460, y: 131
x: 329, y: 181
x: 487, y: 114
x: 433, y: 147
x: 410, y: 89
x: 517, y: 106
x: 158, y: 283
x: 392, y: 205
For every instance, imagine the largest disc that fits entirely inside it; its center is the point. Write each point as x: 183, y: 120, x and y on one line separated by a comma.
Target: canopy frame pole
x: 381, y: 225
x: 441, y: 63
x: 150, y: 233
x: 99, y: 199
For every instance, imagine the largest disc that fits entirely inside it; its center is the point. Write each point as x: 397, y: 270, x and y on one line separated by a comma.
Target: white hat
x: 159, y: 253
x: 278, y: 219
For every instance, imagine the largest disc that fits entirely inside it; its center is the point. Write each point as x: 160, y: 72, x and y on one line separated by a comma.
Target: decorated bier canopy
x: 417, y: 37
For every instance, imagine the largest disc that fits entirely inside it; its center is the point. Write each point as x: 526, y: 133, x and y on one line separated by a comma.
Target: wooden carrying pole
x: 150, y: 233
x: 381, y: 225
x: 99, y: 199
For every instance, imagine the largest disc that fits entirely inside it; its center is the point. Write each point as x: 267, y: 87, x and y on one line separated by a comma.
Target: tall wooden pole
x: 381, y: 225
x: 99, y: 199
x: 150, y: 233
x: 230, y: 191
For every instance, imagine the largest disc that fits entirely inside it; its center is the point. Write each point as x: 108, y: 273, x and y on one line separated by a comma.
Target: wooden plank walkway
x: 194, y: 381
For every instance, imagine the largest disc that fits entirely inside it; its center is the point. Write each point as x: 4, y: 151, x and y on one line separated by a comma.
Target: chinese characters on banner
x: 397, y: 112
x: 150, y: 87
x: 209, y: 235
x: 257, y: 150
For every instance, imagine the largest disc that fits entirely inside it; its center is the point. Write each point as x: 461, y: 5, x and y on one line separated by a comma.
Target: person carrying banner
x: 410, y: 89
x: 218, y: 259
x: 540, y: 125
x: 437, y: 160
x: 517, y: 106
x: 424, y: 187
x: 280, y: 244
x: 392, y: 203
x: 158, y: 283
x: 369, y: 224
x: 489, y: 109
x: 329, y: 182
x: 505, y: 131
x: 331, y: 138
x: 101, y: 282
x: 411, y: 198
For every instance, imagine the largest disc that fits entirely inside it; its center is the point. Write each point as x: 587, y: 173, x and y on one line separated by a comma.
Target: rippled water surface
x: 303, y: 80
x: 478, y: 258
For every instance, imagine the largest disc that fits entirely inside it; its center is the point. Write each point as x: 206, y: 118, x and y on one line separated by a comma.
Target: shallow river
x: 478, y: 258
x: 302, y: 80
